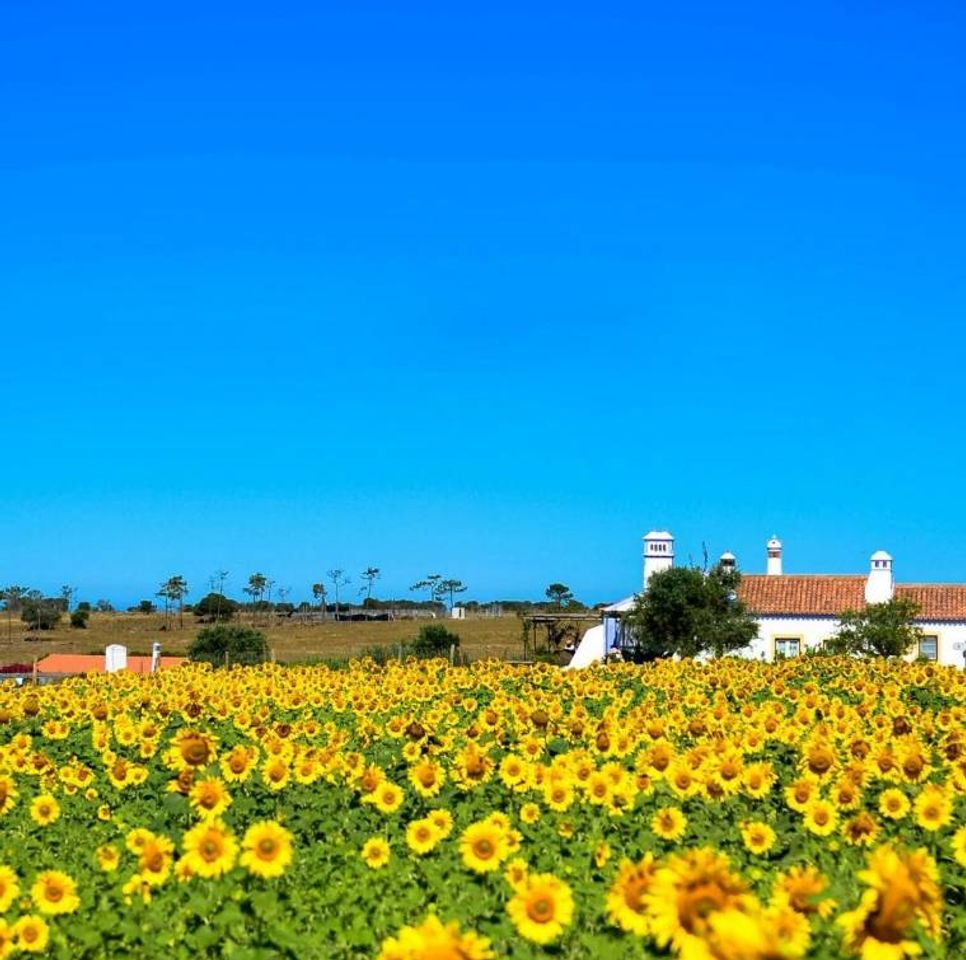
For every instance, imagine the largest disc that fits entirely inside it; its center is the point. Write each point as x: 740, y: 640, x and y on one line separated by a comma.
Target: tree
x: 451, y: 587
x: 215, y: 608
x: 12, y: 597
x: 174, y: 589
x: 224, y: 644
x: 104, y: 606
x: 559, y: 594
x: 146, y: 606
x: 430, y: 582
x: 880, y: 630
x: 256, y: 590
x: 216, y: 586
x: 686, y: 611
x: 339, y: 580
x: 40, y: 612
x: 318, y: 591
x: 67, y: 595
x: 79, y: 618
x: 370, y: 575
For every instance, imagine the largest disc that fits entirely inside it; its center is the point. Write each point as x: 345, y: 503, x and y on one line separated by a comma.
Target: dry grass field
x: 485, y: 636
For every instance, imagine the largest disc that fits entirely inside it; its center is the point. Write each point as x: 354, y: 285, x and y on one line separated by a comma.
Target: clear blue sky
x: 487, y: 290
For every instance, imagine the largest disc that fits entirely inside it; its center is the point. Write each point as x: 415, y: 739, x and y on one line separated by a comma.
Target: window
x: 929, y: 648
x: 787, y: 646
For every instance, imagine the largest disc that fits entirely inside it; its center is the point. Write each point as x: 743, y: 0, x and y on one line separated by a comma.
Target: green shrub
x: 78, y: 619
x: 434, y: 640
x: 226, y: 645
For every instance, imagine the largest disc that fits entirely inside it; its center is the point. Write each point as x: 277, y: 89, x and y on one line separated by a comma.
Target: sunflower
x: 757, y: 837
x: 902, y: 897
x: 933, y: 808
x: 55, y: 892
x: 209, y: 798
x: 625, y: 899
x: 387, y: 798
x: 422, y: 836
x: 108, y: 857
x: 44, y: 810
x: 541, y: 908
x: 958, y: 844
x: 9, y: 888
x: 210, y: 850
x: 861, y: 830
x: 559, y: 795
x: 31, y: 934
x: 375, y: 852
x: 669, y: 823
x: 442, y: 820
x: 276, y: 774
x: 267, y: 849
x: 7, y: 943
x: 431, y: 939
x: 8, y: 794
x: 155, y: 860
x: 893, y: 803
x: 427, y: 777
x: 516, y: 872
x: 820, y: 818
x: 237, y: 765
x: 686, y: 894
x: 529, y: 813
x: 483, y: 846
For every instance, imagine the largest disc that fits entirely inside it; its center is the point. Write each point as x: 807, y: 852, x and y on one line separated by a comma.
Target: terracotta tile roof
x: 818, y: 595
x: 937, y: 601
x: 94, y: 663
x: 808, y: 595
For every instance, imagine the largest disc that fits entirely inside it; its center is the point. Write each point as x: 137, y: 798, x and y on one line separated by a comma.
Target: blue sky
x: 489, y: 292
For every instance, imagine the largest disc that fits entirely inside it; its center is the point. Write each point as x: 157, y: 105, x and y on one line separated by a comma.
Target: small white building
x: 799, y: 611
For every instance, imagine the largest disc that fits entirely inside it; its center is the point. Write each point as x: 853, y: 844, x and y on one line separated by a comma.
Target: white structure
x: 658, y: 553
x: 458, y: 613
x: 799, y: 611
x: 880, y: 587
x: 155, y: 657
x: 115, y: 658
x: 774, y: 548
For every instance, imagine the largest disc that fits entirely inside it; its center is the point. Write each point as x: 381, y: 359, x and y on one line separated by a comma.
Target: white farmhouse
x: 798, y: 611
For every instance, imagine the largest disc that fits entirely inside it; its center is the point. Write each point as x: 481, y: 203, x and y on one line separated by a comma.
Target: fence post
x: 226, y: 658
x: 452, y: 653
x: 34, y: 672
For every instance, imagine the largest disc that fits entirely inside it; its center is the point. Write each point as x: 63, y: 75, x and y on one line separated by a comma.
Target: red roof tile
x: 94, y: 663
x: 817, y: 595
x: 809, y: 595
x: 937, y: 601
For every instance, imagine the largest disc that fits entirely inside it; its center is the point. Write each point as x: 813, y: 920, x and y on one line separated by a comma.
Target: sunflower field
x: 723, y: 811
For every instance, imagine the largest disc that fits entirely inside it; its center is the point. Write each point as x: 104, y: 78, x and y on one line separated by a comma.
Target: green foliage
x: 228, y: 644
x: 146, y: 606
x: 880, y: 630
x: 41, y: 613
x: 434, y: 640
x: 559, y: 594
x: 79, y: 618
x: 686, y: 611
x: 216, y: 607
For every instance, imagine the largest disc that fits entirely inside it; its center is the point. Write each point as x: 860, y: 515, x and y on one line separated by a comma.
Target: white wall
x: 811, y: 631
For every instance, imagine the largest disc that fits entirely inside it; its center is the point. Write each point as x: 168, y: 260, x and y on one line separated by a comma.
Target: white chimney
x: 728, y: 561
x: 774, y: 557
x: 658, y: 553
x: 880, y: 586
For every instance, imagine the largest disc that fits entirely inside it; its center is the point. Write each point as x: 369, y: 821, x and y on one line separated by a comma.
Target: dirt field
x: 489, y: 636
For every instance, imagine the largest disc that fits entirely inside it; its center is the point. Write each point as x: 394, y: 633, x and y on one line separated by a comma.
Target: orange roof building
x: 95, y: 663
